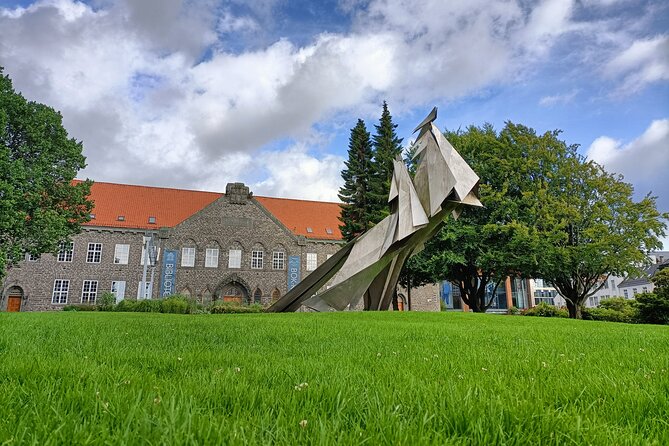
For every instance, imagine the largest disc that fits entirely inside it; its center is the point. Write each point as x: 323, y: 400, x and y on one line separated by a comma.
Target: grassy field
x: 344, y: 378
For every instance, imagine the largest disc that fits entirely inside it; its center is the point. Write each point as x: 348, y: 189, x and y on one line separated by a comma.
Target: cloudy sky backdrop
x: 196, y: 94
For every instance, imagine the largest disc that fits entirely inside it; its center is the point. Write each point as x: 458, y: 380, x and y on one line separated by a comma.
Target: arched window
x: 257, y: 295
x: 257, y: 256
x: 235, y: 256
x: 276, y: 294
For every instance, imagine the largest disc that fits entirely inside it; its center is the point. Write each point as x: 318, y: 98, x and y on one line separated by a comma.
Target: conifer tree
x: 354, y: 194
x: 386, y: 148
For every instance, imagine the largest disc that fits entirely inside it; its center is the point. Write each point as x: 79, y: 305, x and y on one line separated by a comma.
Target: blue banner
x: 168, y: 273
x: 293, y: 271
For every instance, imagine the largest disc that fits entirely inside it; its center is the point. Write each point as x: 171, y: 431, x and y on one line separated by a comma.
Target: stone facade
x: 235, y: 221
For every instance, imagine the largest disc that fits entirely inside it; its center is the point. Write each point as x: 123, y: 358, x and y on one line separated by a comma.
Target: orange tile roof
x: 137, y: 203
x: 172, y: 206
x: 300, y: 216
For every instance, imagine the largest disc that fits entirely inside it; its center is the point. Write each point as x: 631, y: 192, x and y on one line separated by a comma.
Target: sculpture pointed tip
x: 428, y: 120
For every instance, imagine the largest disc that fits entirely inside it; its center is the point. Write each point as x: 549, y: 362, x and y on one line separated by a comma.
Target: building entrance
x: 14, y: 299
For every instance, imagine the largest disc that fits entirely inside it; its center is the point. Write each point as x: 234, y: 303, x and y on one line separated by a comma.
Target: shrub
x: 228, y: 307
x: 615, y: 309
x: 513, y: 311
x: 174, y: 304
x: 126, y: 305
x: 79, y: 307
x: 106, y: 301
x: 653, y: 308
x: 545, y: 310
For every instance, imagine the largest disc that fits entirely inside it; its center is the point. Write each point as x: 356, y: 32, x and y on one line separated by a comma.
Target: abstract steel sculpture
x: 368, y: 267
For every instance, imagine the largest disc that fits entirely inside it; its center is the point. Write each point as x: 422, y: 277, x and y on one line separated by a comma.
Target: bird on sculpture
x: 368, y: 267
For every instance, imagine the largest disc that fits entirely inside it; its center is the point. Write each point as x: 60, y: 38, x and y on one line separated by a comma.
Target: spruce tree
x: 386, y: 148
x: 354, y: 194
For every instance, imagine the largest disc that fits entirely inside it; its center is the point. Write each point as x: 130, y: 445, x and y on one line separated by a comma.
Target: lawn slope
x: 338, y: 378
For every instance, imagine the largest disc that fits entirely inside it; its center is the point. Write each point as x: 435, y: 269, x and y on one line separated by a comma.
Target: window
x: 60, y: 289
x: 235, y: 258
x: 211, y: 258
x: 187, y: 256
x: 329, y: 231
x: 312, y: 261
x: 633, y: 291
x: 257, y: 296
x: 606, y: 285
x: 309, y: 229
x: 644, y: 289
x: 65, y: 252
x: 118, y: 290
x: 121, y: 254
x: 94, y: 253
x: 32, y: 257
x: 626, y: 294
x: 278, y: 260
x: 256, y: 259
x: 152, y: 220
x: 89, y: 291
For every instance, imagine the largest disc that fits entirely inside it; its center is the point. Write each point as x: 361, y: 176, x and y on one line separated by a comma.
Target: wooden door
x: 14, y: 299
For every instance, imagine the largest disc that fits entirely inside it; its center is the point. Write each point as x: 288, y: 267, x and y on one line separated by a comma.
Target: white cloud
x: 565, y: 98
x: 130, y: 81
x: 643, y: 161
x: 644, y: 62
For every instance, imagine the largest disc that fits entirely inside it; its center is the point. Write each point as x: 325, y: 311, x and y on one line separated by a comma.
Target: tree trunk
x: 396, y: 306
x: 574, y: 310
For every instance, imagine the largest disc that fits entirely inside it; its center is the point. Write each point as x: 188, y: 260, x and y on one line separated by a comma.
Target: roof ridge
x: 298, y: 199
x: 155, y: 187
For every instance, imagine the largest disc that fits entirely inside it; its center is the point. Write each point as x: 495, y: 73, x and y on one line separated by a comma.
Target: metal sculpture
x: 368, y: 267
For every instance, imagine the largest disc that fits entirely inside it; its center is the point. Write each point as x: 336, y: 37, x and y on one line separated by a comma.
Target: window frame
x: 237, y: 258
x: 311, y: 261
x: 257, y: 258
x: 116, y: 292
x: 211, y: 261
x: 120, y: 257
x: 62, y: 291
x: 278, y: 260
x: 66, y: 254
x: 91, y: 292
x: 184, y: 257
x: 91, y: 253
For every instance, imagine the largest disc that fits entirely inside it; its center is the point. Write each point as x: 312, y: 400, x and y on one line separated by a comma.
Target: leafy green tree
x: 40, y: 205
x: 356, y: 212
x: 653, y: 307
x: 485, y: 245
x: 387, y: 146
x: 590, y: 227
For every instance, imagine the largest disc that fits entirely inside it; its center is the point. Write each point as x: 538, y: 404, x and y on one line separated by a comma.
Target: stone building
x: 210, y: 246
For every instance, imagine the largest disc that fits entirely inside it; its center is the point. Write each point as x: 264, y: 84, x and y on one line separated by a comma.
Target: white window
x: 118, y: 290
x: 626, y: 294
x: 312, y: 261
x: 187, y: 256
x: 89, y: 291
x: 65, y: 252
x: 211, y: 258
x: 94, y: 253
x: 644, y: 289
x: 256, y: 259
x: 121, y: 254
x: 235, y: 258
x: 278, y: 260
x: 60, y: 290
x: 32, y: 257
x: 633, y: 291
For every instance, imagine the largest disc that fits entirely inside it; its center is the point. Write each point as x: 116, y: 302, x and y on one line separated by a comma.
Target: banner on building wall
x: 293, y: 271
x: 168, y: 273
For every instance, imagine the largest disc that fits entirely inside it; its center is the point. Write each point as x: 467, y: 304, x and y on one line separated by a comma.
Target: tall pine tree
x: 355, y: 193
x: 386, y: 148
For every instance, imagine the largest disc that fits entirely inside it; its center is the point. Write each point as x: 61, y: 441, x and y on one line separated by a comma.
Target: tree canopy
x: 548, y: 213
x: 40, y: 204
x: 356, y: 214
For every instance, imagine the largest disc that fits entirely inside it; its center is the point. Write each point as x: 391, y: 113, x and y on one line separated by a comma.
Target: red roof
x: 312, y: 219
x: 128, y: 206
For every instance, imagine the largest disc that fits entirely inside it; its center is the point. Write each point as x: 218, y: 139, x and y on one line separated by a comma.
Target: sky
x: 197, y: 94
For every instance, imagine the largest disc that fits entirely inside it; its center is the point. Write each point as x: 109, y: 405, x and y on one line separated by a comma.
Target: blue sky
x: 197, y: 94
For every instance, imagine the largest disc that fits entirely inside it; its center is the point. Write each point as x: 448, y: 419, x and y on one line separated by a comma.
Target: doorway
x: 14, y: 299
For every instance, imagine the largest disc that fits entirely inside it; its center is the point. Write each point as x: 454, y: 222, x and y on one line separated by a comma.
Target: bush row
x: 175, y: 304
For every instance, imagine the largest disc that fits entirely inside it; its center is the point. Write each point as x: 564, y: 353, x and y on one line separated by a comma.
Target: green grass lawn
x: 338, y: 378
